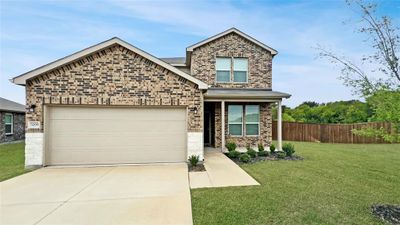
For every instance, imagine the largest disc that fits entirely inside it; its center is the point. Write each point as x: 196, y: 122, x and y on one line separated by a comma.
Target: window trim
x: 258, y: 123
x: 236, y: 123
x: 12, y: 123
x: 231, y: 72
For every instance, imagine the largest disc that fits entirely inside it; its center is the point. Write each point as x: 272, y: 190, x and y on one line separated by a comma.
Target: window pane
x: 8, y: 119
x: 235, y: 129
x: 240, y: 64
x: 224, y: 64
x: 8, y: 129
x: 235, y: 113
x: 252, y: 113
x: 223, y: 76
x: 240, y: 76
x: 251, y: 129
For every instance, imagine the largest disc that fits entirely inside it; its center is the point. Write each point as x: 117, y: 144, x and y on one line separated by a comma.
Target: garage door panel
x: 85, y: 141
x: 134, y: 114
x: 116, y: 158
x: 79, y: 135
x: 120, y: 126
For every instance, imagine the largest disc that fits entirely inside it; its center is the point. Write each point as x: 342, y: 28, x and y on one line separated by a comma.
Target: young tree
x: 384, y: 39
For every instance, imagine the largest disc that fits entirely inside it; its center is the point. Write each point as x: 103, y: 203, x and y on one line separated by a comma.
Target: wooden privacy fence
x: 327, y: 133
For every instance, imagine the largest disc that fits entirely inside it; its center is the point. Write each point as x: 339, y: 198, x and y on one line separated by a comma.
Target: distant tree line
x: 353, y: 111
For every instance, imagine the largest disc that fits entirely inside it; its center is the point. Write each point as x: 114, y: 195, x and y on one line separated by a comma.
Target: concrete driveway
x: 145, y: 194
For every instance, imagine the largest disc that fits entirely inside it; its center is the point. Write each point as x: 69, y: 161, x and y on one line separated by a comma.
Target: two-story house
x: 114, y: 103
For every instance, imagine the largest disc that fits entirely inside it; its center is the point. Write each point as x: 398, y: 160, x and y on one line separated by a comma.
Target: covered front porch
x: 242, y: 116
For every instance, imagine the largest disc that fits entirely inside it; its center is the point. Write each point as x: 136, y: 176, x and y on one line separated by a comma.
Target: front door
x: 207, y: 128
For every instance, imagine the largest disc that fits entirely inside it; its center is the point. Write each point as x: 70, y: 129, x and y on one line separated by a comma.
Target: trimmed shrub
x: 251, y: 152
x: 288, y: 148
x: 263, y: 153
x: 245, y: 158
x: 281, y: 155
x: 272, y: 148
x: 231, y: 146
x: 233, y: 154
x: 260, y: 147
x: 193, y: 160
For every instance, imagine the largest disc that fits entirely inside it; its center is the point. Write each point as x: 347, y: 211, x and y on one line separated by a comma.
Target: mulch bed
x: 198, y: 168
x: 388, y: 213
x: 271, y: 157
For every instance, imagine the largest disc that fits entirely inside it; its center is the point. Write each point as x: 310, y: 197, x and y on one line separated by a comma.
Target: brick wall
x: 232, y: 45
x: 18, y: 130
x: 114, y: 76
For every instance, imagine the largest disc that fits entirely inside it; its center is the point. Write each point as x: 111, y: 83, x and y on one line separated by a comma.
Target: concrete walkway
x: 140, y: 194
x: 221, y: 172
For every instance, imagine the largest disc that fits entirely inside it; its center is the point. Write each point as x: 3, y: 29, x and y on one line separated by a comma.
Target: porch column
x: 222, y: 125
x: 280, y: 125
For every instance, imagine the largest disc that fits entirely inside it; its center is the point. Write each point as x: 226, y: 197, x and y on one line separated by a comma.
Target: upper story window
x: 231, y: 70
x: 8, y: 123
x: 224, y: 69
x: 240, y: 70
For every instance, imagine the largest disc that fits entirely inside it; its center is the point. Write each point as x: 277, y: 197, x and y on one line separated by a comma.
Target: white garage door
x: 114, y: 135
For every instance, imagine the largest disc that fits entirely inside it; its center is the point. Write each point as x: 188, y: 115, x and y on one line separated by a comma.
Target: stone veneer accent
x: 265, y: 127
x: 18, y: 127
x: 195, y: 144
x: 232, y: 45
x: 34, y: 149
x: 114, y: 76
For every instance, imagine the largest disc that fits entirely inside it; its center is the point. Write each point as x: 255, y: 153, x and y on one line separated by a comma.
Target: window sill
x: 9, y: 134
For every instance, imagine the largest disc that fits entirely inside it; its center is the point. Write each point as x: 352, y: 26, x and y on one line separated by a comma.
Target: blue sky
x: 34, y: 33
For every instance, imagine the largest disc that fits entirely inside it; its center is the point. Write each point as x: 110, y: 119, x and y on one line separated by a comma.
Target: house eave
x: 236, y: 31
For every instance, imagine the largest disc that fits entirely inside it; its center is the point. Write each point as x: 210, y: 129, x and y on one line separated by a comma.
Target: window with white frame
x: 226, y: 66
x: 247, y: 121
x: 240, y: 70
x: 235, y: 120
x: 8, y: 123
x: 252, y: 118
x: 223, y: 66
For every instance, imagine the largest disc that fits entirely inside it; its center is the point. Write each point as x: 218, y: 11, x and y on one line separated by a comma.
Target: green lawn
x: 11, y: 160
x: 334, y: 184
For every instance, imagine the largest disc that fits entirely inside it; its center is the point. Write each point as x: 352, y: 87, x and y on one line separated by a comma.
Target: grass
x: 12, y: 160
x: 334, y: 184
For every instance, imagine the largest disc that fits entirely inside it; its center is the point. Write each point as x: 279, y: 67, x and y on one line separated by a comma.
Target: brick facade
x: 232, y: 45
x: 18, y: 127
x: 265, y: 127
x: 114, y: 76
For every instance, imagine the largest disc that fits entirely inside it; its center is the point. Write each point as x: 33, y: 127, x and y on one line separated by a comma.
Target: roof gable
x: 236, y: 31
x: 21, y: 79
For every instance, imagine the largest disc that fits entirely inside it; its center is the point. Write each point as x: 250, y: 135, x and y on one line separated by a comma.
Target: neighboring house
x: 12, y: 121
x: 114, y: 103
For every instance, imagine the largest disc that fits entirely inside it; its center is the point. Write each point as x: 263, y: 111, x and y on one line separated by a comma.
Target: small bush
x: 231, y: 146
x: 260, y: 147
x: 245, y: 158
x: 288, y: 148
x: 263, y: 153
x: 281, y: 155
x: 251, y: 152
x: 272, y: 148
x: 193, y: 160
x: 233, y: 154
